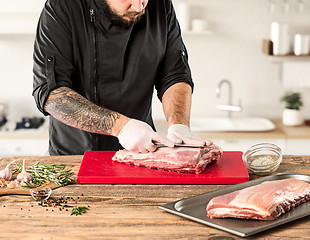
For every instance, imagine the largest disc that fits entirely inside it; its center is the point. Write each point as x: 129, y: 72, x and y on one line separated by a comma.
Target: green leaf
x: 292, y: 100
x: 57, y: 173
x: 79, y: 210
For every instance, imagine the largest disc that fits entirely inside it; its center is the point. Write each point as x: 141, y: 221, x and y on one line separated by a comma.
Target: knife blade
x: 180, y: 145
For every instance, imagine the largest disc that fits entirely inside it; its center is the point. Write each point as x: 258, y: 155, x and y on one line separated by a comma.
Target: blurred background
x: 224, y: 39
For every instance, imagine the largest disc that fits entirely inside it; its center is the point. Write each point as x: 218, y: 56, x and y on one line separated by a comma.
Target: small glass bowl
x: 41, y: 195
x: 262, y: 159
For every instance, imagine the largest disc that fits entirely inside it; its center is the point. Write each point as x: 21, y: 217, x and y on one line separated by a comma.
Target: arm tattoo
x: 74, y: 110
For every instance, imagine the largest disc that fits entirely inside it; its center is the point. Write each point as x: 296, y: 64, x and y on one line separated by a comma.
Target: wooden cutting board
x: 25, y: 191
x: 98, y: 167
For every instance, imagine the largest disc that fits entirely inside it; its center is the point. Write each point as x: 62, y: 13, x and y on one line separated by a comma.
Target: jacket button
x: 50, y: 59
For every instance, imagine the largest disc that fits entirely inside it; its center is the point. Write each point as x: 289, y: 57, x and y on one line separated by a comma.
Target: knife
x: 180, y: 145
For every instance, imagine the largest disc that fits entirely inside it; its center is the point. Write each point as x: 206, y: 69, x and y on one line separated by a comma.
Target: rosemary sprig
x: 57, y: 173
x: 79, y: 210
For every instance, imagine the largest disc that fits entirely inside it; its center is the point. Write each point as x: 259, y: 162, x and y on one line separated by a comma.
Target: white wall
x: 233, y: 52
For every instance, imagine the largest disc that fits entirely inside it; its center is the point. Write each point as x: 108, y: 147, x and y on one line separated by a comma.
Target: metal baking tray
x: 194, y: 208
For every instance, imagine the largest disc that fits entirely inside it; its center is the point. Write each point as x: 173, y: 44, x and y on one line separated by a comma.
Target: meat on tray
x: 265, y: 201
x: 177, y: 159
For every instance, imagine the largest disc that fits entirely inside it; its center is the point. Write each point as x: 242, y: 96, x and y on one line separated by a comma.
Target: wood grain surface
x: 19, y: 190
x: 124, y: 211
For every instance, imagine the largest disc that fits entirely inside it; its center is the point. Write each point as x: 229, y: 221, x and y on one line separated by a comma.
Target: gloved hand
x: 179, y: 133
x: 138, y: 136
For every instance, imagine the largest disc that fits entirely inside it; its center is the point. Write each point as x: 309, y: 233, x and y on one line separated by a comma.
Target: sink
x: 214, y: 124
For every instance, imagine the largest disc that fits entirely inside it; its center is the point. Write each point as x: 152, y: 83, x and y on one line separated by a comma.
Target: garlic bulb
x: 23, y: 176
x: 23, y: 182
x: 12, y: 184
x: 6, y: 173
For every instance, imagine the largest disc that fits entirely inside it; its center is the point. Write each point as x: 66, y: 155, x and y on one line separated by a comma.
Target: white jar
x: 199, y: 25
x: 280, y: 38
x: 301, y: 44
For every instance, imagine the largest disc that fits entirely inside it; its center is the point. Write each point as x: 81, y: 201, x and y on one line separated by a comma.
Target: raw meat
x: 178, y: 159
x: 265, y: 201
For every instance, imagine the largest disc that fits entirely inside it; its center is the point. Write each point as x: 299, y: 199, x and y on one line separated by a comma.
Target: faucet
x: 227, y: 107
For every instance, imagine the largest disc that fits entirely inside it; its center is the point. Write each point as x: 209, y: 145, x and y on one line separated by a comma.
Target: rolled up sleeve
x: 52, y: 56
x: 174, y: 67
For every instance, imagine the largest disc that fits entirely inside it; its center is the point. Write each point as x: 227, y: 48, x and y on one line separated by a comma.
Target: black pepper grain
x: 61, y: 203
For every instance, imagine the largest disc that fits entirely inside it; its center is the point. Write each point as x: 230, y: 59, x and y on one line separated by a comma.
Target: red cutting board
x: 98, y: 167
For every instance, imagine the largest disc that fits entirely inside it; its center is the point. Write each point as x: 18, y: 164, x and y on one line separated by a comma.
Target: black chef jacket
x: 76, y: 46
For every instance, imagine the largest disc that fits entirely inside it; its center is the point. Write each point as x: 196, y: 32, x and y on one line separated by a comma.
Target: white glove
x: 179, y: 133
x: 138, y: 136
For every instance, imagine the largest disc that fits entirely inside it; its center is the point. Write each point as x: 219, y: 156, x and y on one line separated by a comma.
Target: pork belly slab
x: 265, y: 201
x: 177, y: 159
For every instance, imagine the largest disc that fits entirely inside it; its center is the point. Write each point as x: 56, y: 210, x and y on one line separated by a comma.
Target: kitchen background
x: 230, y: 47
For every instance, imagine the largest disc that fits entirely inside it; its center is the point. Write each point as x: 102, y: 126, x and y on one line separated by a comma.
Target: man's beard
x: 119, y: 20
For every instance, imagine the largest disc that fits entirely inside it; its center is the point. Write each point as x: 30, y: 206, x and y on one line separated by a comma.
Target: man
x: 96, y: 63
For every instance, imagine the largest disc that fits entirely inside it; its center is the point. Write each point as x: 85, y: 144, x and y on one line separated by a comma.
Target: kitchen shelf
x: 267, y: 50
x: 289, y: 58
x: 193, y: 33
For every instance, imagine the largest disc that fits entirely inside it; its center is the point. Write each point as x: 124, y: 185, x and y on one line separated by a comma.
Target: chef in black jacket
x: 96, y: 63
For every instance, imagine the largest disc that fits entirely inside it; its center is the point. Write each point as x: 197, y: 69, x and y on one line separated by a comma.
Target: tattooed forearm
x: 74, y: 110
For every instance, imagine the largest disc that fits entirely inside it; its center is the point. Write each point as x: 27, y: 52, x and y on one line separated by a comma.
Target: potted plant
x: 292, y: 115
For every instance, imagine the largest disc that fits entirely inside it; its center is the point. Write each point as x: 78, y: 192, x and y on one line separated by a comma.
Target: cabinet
x: 288, y: 146
x: 298, y: 147
x: 23, y: 147
x: 24, y: 142
x: 243, y: 144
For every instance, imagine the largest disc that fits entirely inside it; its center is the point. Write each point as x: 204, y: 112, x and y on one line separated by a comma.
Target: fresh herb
x: 79, y: 210
x: 57, y: 173
x: 292, y: 100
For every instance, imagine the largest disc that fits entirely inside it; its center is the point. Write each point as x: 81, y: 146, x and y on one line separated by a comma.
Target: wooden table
x: 124, y: 211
